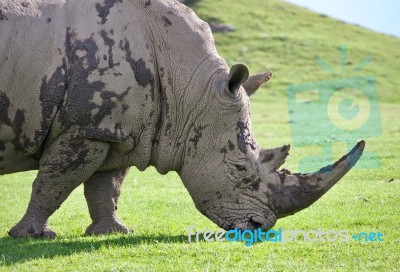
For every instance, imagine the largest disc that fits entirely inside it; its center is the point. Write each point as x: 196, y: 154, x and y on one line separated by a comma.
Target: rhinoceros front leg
x: 102, y: 190
x: 64, y: 165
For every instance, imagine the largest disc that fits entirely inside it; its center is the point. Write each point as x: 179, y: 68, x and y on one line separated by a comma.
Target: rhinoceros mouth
x: 249, y: 224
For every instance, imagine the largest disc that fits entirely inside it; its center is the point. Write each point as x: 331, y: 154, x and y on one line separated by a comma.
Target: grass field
x: 269, y: 35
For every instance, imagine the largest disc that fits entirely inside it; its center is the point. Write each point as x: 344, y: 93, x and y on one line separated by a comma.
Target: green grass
x: 270, y: 34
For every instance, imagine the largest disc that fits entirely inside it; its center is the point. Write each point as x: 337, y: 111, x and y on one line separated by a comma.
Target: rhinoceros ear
x: 238, y: 74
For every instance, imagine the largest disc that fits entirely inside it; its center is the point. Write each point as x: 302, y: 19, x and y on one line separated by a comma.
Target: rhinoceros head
x: 232, y: 180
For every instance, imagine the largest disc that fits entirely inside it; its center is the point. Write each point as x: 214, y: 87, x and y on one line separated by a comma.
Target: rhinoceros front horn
x: 294, y: 192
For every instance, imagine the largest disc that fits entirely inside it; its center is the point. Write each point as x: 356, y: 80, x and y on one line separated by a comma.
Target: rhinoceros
x: 91, y: 88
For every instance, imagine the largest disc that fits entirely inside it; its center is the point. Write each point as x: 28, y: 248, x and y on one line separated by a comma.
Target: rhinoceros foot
x: 107, y: 226
x: 26, y: 229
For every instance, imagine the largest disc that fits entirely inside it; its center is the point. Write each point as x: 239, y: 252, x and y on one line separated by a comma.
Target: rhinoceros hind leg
x: 64, y: 165
x: 102, y: 190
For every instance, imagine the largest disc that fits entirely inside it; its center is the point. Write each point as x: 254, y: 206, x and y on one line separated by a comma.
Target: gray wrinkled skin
x: 90, y: 88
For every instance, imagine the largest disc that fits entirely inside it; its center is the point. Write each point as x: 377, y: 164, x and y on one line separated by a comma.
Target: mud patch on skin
x: 38, y: 190
x: 110, y: 58
x: 196, y: 136
x: 15, y: 125
x: 244, y: 138
x: 231, y: 146
x: 162, y: 72
x: 58, y: 196
x: 143, y: 75
x: 255, y: 186
x: 285, y: 148
x: 268, y: 157
x: 107, y: 105
x: 167, y: 129
x: 251, y: 182
x: 4, y: 106
x: 167, y: 107
x: 104, y: 10
x: 3, y: 16
x: 160, y: 121
x: 51, y: 94
x: 283, y: 173
x: 19, y: 139
x: 78, y: 105
x: 77, y: 151
x: 105, y: 135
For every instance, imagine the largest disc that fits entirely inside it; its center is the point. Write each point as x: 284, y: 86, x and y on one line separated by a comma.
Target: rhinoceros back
x: 80, y: 67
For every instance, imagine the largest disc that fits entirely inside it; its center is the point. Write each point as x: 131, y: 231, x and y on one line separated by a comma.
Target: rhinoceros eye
x: 236, y: 169
x: 240, y: 167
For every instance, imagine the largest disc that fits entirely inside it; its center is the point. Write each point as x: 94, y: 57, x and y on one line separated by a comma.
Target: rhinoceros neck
x: 187, y: 67
x: 183, y: 102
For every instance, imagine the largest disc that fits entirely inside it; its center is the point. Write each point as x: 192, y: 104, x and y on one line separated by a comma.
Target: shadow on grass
x: 14, y: 251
